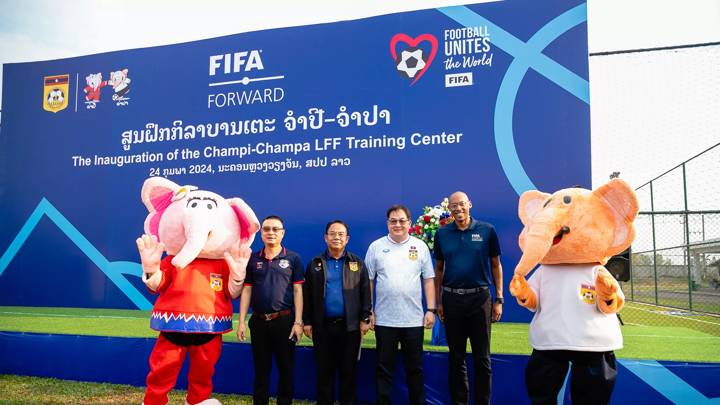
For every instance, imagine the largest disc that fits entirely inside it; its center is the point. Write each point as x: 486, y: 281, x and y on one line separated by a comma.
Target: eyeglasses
x: 393, y: 221
x: 461, y: 204
x: 274, y: 229
x: 340, y: 235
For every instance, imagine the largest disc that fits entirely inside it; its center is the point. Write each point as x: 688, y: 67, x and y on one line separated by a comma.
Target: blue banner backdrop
x: 310, y: 123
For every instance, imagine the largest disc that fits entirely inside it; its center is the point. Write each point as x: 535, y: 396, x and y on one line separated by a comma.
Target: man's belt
x: 273, y: 315
x: 463, y: 291
x: 333, y: 321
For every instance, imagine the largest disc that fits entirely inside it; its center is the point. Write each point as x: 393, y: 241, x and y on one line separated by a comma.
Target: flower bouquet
x: 430, y: 221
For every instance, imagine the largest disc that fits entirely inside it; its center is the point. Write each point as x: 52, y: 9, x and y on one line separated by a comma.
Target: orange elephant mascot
x: 572, y: 234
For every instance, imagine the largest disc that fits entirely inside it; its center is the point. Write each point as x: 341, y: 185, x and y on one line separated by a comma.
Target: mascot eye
x: 567, y: 199
x: 210, y: 206
x: 193, y: 205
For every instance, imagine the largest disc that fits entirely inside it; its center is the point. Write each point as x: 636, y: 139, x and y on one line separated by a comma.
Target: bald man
x: 467, y: 254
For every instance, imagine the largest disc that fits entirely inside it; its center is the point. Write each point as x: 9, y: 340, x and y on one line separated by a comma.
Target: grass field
x: 673, y: 292
x: 650, y: 332
x: 17, y: 390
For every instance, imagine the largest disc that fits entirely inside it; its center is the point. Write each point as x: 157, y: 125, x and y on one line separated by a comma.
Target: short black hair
x: 274, y: 217
x: 398, y: 207
x: 337, y: 221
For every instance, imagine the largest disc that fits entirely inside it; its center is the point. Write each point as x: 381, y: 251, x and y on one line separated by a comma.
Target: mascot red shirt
x: 207, y: 238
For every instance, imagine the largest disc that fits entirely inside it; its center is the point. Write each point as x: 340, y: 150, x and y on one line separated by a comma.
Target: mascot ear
x: 530, y: 203
x: 249, y: 224
x: 623, y: 206
x: 157, y: 194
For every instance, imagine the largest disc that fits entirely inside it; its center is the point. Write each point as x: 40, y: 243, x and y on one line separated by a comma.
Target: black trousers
x: 411, y: 343
x: 336, y: 352
x: 467, y: 316
x: 592, y: 377
x: 268, y: 339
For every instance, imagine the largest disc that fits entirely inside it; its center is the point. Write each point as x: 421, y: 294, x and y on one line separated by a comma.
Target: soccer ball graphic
x: 55, y: 97
x: 410, y: 61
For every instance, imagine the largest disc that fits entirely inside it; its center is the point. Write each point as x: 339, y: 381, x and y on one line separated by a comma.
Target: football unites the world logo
x: 413, y: 61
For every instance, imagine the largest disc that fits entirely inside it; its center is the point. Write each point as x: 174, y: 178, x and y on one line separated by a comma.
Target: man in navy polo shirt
x: 273, y: 286
x: 467, y: 260
x: 336, y: 313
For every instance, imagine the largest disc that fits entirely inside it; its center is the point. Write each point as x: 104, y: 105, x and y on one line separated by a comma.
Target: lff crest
x: 55, y: 92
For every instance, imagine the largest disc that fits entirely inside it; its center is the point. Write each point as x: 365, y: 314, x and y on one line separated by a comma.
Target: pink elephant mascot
x: 207, y: 239
x: 572, y: 234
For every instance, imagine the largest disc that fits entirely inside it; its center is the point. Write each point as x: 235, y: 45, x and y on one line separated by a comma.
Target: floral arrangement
x: 430, y: 221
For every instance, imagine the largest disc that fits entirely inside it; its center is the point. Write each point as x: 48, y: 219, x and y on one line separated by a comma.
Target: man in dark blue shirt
x: 273, y: 285
x: 467, y: 254
x: 336, y: 313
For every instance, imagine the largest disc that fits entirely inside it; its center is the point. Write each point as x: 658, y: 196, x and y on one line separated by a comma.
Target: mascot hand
x: 607, y: 289
x: 150, y: 253
x: 520, y: 289
x: 237, y: 260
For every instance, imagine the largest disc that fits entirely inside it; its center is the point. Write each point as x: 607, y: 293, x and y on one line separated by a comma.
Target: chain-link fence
x: 675, y: 276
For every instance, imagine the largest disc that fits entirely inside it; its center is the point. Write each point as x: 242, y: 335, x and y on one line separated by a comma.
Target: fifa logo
x: 235, y: 62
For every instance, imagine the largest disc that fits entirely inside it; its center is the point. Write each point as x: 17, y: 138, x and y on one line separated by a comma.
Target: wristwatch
x: 433, y: 310
x: 499, y: 300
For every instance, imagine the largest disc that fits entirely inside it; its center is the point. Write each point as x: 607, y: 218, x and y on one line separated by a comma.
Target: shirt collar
x: 398, y: 243
x: 283, y: 253
x: 473, y: 224
x: 342, y: 256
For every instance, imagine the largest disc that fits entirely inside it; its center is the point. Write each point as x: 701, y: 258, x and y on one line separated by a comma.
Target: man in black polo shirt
x: 467, y: 254
x: 273, y: 285
x: 336, y: 313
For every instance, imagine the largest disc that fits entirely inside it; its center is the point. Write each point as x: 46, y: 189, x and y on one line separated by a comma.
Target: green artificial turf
x: 17, y: 390
x: 649, y: 332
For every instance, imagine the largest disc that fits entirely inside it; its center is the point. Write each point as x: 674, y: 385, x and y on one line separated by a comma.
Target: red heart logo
x: 413, y: 42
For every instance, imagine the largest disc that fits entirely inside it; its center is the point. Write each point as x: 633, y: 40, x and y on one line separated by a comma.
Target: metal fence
x: 676, y: 253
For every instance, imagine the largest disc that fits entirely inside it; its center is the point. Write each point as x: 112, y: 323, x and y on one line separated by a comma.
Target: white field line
x: 679, y: 316
x: 69, y: 316
x: 674, y: 337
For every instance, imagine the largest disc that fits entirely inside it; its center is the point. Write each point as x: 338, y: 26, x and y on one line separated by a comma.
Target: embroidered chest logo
x: 353, y: 266
x: 386, y: 250
x: 284, y: 264
x: 258, y: 265
x: 413, y: 253
x: 216, y: 282
x: 318, y: 267
x: 587, y: 292
x: 476, y: 237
